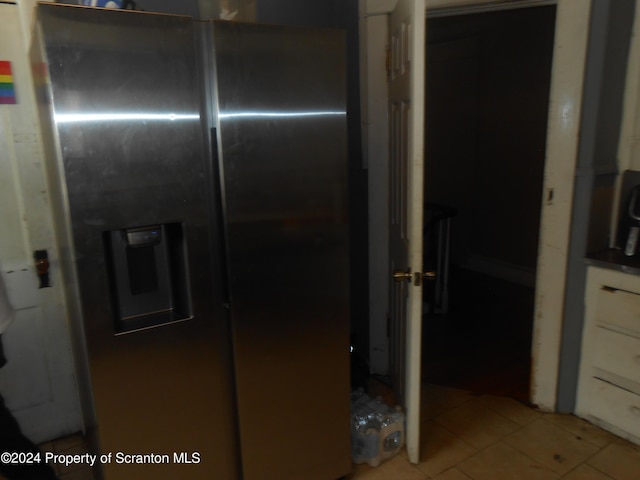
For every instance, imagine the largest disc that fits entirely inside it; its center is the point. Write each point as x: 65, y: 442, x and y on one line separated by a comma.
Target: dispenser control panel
x: 144, y: 237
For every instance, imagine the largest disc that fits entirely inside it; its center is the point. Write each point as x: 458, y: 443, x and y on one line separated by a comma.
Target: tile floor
x: 73, y: 444
x: 483, y: 342
x: 70, y: 445
x: 483, y: 437
x: 480, y: 437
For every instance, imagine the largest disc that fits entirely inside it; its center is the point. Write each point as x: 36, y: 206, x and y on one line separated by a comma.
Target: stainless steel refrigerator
x: 198, y: 179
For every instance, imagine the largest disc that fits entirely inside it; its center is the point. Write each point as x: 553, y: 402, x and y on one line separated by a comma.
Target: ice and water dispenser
x: 148, y: 276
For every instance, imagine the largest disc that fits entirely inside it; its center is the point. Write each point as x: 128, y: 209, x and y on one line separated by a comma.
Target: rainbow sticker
x: 7, y: 90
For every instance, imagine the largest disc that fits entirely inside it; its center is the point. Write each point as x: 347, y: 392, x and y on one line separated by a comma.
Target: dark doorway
x: 488, y: 80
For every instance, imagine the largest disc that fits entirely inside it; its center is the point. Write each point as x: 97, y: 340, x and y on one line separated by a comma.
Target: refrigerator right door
x: 282, y: 150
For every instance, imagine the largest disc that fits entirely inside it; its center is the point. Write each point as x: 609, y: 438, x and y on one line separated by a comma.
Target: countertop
x: 615, y: 259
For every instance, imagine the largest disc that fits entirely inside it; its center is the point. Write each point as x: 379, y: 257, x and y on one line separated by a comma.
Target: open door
x: 406, y: 165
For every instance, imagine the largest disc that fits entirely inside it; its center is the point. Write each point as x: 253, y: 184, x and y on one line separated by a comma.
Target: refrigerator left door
x: 127, y: 159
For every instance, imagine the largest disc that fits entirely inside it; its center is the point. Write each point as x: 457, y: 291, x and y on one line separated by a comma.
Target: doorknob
x: 417, y: 277
x: 430, y: 275
x: 425, y: 276
x: 400, y: 276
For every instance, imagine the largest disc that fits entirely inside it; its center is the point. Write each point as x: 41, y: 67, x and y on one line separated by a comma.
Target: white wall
x: 38, y: 383
x: 629, y: 148
x: 374, y: 116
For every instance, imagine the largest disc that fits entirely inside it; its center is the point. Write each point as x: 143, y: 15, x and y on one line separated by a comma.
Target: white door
x: 38, y: 382
x: 406, y: 165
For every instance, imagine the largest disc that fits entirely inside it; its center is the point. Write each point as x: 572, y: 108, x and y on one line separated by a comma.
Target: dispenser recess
x: 148, y: 276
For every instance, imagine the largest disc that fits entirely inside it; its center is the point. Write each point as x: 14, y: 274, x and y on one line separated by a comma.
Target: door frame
x: 565, y: 109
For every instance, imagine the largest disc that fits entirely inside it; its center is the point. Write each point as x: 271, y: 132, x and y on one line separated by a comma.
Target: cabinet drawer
x: 619, y: 308
x: 617, y: 353
x: 616, y: 406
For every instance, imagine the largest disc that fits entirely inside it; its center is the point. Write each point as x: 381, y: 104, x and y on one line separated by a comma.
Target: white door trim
x: 565, y: 107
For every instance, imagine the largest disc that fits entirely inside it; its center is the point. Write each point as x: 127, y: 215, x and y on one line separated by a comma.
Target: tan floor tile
x: 510, y: 408
x: 358, y: 470
x: 83, y: 473
x: 440, y: 449
x: 436, y: 400
x: 620, y: 460
x: 46, y: 447
x: 430, y: 409
x: 67, y: 442
x: 394, y: 468
x: 551, y: 446
x: 502, y: 462
x: 581, y: 428
x: 451, y: 396
x: 78, y: 449
x: 452, y: 474
x: 585, y: 472
x: 476, y: 424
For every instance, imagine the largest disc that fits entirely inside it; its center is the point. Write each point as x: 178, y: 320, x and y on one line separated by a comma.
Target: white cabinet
x: 609, y: 383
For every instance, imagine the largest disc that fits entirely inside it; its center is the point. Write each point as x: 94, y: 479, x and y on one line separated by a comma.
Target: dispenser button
x: 143, y: 237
